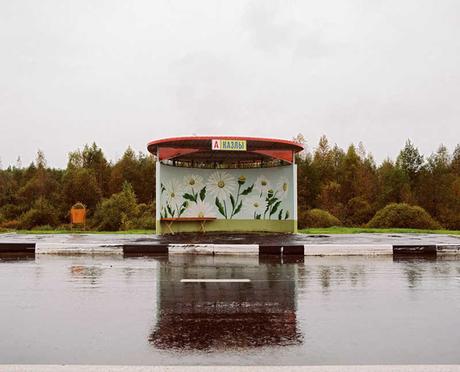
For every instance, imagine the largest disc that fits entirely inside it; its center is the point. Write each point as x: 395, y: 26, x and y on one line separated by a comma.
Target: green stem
x: 236, y: 202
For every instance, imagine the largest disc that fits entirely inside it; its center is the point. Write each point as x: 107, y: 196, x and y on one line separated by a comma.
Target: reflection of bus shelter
x: 225, y: 316
x: 225, y: 184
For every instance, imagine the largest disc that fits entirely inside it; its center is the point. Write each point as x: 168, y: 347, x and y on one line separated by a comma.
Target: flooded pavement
x: 233, y: 238
x: 299, y: 311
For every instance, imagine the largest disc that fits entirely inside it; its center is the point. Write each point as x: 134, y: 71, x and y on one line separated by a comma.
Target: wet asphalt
x: 225, y: 238
x: 290, y: 311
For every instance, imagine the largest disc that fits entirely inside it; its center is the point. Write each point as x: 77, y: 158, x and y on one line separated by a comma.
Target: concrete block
x: 348, y: 249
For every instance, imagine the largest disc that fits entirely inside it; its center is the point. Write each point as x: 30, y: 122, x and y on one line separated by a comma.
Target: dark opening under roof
x: 200, y: 149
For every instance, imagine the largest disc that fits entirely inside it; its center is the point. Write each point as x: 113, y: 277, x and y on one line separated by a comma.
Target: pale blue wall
x: 251, y: 202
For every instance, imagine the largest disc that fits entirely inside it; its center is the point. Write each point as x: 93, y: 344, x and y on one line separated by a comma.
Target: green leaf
x: 189, y: 197
x: 287, y: 215
x: 280, y: 215
x: 275, y: 207
x: 203, y: 193
x: 248, y: 190
x: 170, y: 210
x: 258, y: 216
x: 220, y: 207
x: 232, y: 199
x: 238, y: 208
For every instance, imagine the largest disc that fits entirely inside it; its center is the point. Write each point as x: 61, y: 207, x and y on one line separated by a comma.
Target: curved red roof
x: 199, y: 148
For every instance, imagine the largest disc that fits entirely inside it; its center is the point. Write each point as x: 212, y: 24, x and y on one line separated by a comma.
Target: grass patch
x: 312, y: 231
x: 127, y: 232
x: 360, y: 230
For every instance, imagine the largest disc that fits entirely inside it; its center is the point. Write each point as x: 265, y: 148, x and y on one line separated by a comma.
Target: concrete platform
x: 236, y: 244
x: 360, y: 368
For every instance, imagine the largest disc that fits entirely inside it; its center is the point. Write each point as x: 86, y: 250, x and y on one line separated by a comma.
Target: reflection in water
x: 217, y: 316
x: 413, y: 268
x: 91, y: 274
x: 17, y: 256
x: 373, y: 310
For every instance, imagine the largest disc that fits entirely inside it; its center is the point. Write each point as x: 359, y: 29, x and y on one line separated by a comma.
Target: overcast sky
x: 124, y: 72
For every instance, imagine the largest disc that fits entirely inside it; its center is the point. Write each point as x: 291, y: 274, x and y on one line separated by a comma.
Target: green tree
x: 81, y: 185
x: 118, y: 211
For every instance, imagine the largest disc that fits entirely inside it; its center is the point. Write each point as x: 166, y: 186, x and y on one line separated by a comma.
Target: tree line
x: 353, y: 188
x: 117, y: 195
x: 345, y: 187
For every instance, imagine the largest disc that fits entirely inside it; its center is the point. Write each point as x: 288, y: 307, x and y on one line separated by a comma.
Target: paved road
x: 181, y: 310
x: 234, y: 238
x: 83, y: 368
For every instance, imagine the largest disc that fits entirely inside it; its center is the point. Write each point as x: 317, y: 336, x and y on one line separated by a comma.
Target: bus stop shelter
x: 226, y: 184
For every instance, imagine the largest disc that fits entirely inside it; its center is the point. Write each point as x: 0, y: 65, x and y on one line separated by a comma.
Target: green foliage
x: 80, y: 184
x: 317, y: 218
x: 118, y: 211
x: 41, y: 213
x: 358, y: 211
x: 348, y: 184
x: 410, y: 160
x: 403, y: 215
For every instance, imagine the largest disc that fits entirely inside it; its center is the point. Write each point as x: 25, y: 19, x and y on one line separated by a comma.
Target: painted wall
x: 228, y: 194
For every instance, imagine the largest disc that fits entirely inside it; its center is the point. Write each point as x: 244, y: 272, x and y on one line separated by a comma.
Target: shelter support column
x: 157, y: 197
x: 294, y: 186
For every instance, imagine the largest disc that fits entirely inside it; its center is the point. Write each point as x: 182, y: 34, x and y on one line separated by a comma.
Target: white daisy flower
x: 255, y: 205
x: 173, y: 192
x: 194, y: 182
x: 200, y: 209
x: 221, y: 184
x: 282, y: 188
x: 262, y: 184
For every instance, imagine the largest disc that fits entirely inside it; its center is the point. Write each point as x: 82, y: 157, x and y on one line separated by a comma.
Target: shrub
x: 11, y: 224
x: 146, y: 219
x: 117, y: 212
x: 42, y: 213
x: 317, y: 218
x: 11, y: 211
x: 403, y: 215
x: 358, y: 211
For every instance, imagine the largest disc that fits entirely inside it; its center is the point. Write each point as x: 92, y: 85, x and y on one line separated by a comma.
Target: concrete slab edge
x: 249, y: 249
x: 333, y: 368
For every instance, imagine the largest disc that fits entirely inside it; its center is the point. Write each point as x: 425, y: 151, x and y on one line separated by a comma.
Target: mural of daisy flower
x: 255, y: 205
x: 262, y: 184
x: 200, y: 209
x: 193, y: 182
x: 221, y: 184
x: 173, y: 192
x: 282, y: 188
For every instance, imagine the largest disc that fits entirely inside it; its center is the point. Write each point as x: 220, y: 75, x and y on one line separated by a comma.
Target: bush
x: 42, y: 213
x: 10, y: 225
x: 317, y: 218
x: 403, y: 215
x: 358, y: 211
x: 11, y: 211
x: 118, y: 212
x: 146, y: 219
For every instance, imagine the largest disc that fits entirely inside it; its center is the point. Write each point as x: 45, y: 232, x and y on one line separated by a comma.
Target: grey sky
x: 124, y: 72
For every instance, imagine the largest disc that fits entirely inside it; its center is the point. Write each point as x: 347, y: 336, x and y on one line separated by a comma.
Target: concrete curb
x: 348, y: 250
x: 420, y: 250
x: 347, y: 368
x: 214, y: 249
x: 72, y: 249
